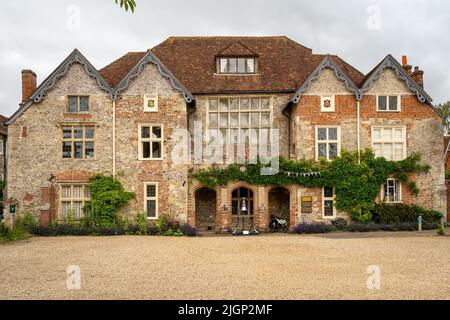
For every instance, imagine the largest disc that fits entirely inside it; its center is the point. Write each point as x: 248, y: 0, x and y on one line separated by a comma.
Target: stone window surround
x: 84, y: 199
x: 155, y: 198
x: 78, y: 124
x: 141, y: 140
x: 78, y: 103
x: 392, y: 141
x: 239, y: 111
x: 388, y: 95
x: 397, y: 188
x: 327, y: 141
x: 323, y: 205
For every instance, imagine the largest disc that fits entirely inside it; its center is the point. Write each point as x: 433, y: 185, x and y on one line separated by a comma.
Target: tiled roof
x: 283, y: 64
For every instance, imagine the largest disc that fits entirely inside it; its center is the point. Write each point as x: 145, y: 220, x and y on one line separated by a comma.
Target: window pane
x: 265, y: 119
x: 67, y: 132
x: 332, y: 134
x: 255, y: 119
x: 264, y: 136
x: 73, y: 104
x: 250, y: 65
x: 213, y: 120
x: 241, y: 65
x: 398, y: 151
x: 244, y: 120
x: 224, y: 120
x: 245, y: 104
x: 333, y: 150
x: 322, y: 134
x: 234, y: 119
x: 223, y: 65
x: 387, y: 134
x: 77, y: 192
x: 234, y: 136
x: 151, y: 191
x: 222, y: 138
x: 84, y: 104
x: 145, y: 132
x: 328, y: 192
x: 156, y: 149
x: 65, y: 207
x: 151, y: 208
x: 78, y: 150
x: 66, y: 192
x: 377, y: 149
x: 213, y: 105
x: 89, y: 132
x: 223, y: 104
x: 328, y: 208
x: 393, y: 103
x: 78, y: 132
x: 322, y: 150
x: 146, y: 150
x: 397, y: 191
x: 78, y: 209
x: 387, y: 151
x: 254, y: 136
x: 89, y: 150
x: 377, y: 134
x: 156, y: 132
x: 67, y: 150
x: 398, y: 134
x: 87, y: 192
x: 213, y: 133
x: 232, y: 66
x: 255, y: 103
x: 234, y: 104
x: 265, y: 104
x: 382, y: 103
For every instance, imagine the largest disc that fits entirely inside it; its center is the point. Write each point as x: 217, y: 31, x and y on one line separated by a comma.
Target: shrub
x: 25, y: 223
x: 188, y: 230
x: 6, y: 234
x: 132, y: 229
x: 163, y: 224
x: 340, y: 223
x: 306, y: 228
x: 398, y: 213
x: 142, y: 223
x: 152, y: 230
x: 440, y: 230
x: 364, y: 227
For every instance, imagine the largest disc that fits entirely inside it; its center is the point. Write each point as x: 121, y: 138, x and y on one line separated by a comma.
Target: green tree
x: 444, y: 109
x: 127, y: 4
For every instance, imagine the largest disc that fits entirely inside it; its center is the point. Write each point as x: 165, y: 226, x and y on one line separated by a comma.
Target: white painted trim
x: 328, y: 141
x: 155, y: 98
x: 324, y: 97
x: 393, y: 141
x: 140, y: 140
x: 399, y: 104
x: 399, y: 192
x: 156, y: 184
x: 323, y: 205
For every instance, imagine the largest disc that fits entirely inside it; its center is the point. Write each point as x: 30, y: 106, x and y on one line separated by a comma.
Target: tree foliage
x: 444, y: 109
x: 356, y: 184
x: 127, y: 4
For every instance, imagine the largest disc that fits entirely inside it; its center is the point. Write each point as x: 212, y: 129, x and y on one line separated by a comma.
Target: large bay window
x: 389, y: 142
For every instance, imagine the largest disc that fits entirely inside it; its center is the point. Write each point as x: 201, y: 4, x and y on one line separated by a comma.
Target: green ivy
x: 356, y: 183
x: 107, y: 197
x: 2, y: 188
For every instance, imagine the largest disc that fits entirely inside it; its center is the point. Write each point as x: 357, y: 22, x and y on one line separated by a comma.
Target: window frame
x: 83, y: 140
x: 141, y: 140
x: 72, y: 200
x: 333, y: 103
x: 155, y: 198
x: 392, y: 141
x: 78, y: 103
x: 327, y: 141
x: 399, y: 195
x: 388, y: 98
x: 246, y: 64
x: 155, y: 98
x: 328, y: 199
x: 241, y: 130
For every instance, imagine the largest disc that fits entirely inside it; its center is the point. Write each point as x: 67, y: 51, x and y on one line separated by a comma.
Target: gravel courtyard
x: 333, y: 266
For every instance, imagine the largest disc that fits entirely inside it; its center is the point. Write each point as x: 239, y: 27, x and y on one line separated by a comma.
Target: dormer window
x: 233, y: 65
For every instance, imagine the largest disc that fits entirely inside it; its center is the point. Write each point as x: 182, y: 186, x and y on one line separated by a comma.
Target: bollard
x: 419, y: 221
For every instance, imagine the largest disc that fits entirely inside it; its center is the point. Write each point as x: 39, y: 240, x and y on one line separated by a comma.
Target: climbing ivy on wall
x: 356, y: 184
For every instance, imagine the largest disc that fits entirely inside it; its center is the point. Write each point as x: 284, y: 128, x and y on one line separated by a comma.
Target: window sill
x: 388, y: 111
x: 72, y: 159
x: 151, y: 159
x: 236, y: 74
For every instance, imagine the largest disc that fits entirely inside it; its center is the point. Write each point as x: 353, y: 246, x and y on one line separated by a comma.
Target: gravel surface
x: 333, y: 266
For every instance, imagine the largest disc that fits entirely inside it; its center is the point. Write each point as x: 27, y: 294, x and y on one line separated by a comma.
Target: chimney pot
x: 28, y: 84
x: 405, y: 60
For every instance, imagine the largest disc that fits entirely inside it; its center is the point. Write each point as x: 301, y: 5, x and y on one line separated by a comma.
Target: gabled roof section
x: 149, y: 57
x: 391, y: 63
x: 237, y: 49
x: 117, y: 70
x: 327, y: 63
x: 55, y: 76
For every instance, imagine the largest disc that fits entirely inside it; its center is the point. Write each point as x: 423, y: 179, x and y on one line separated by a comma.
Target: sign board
x: 306, y: 203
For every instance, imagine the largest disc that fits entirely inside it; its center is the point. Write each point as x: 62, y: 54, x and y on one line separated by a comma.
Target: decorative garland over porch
x: 356, y: 185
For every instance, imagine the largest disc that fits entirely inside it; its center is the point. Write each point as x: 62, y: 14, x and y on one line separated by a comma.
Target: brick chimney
x: 417, y: 75
x: 406, y: 66
x: 28, y: 84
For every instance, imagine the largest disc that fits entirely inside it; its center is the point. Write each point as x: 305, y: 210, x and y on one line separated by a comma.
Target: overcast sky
x: 39, y: 34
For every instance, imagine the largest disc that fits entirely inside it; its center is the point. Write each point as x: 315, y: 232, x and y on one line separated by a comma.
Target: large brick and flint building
x: 124, y: 119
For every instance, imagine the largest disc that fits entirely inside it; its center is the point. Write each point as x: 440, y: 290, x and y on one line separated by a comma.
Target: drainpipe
x: 114, y: 137
x: 358, y: 130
